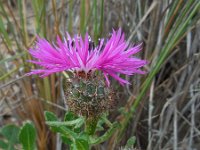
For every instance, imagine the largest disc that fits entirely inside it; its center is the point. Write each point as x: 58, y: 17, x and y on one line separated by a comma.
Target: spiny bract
x: 89, y: 97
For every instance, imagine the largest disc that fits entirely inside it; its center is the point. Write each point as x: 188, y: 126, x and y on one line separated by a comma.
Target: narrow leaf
x: 80, y: 144
x: 66, y: 123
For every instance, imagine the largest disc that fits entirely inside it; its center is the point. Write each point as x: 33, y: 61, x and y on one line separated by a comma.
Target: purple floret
x: 76, y: 54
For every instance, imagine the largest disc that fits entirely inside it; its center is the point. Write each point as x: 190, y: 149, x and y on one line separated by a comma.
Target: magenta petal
x: 107, y: 80
x: 121, y: 81
x: 112, y: 57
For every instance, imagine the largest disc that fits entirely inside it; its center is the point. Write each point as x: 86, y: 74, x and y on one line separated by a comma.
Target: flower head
x: 112, y: 57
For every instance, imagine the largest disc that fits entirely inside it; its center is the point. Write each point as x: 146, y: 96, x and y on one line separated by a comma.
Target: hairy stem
x: 90, y: 125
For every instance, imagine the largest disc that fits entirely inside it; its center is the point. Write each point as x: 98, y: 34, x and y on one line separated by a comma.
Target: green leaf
x: 99, y: 126
x: 80, y: 144
x: 84, y: 136
x: 66, y: 140
x: 130, y: 143
x: 10, y: 133
x: 3, y: 145
x: 63, y: 130
x: 70, y: 116
x: 105, y: 136
x: 100, y: 123
x: 27, y: 136
x: 51, y: 117
x: 74, y: 123
x: 80, y: 123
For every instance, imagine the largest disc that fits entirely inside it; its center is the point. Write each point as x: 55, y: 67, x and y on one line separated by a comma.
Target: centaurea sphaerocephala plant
x: 89, y: 93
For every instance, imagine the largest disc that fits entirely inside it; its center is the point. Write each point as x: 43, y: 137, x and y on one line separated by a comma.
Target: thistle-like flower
x: 89, y: 91
x: 112, y: 57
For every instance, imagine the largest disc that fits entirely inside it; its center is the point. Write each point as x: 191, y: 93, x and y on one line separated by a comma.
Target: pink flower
x: 112, y: 57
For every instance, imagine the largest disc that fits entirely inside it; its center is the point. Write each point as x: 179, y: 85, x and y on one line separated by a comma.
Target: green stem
x: 106, y: 135
x: 90, y: 125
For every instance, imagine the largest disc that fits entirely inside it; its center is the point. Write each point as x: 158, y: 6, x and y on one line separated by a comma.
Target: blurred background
x: 160, y: 110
